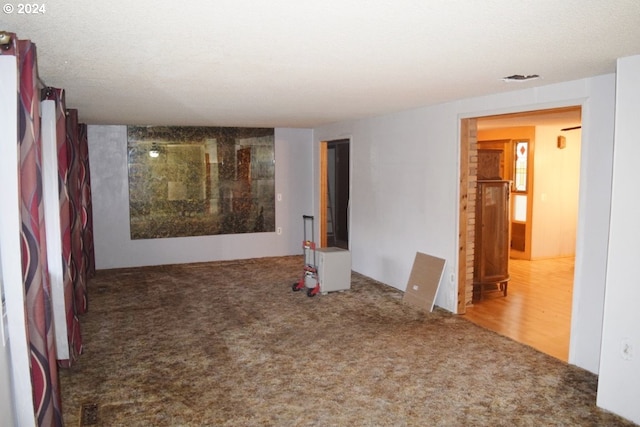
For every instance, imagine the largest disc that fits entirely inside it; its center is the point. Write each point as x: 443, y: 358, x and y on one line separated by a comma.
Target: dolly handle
x: 307, y: 217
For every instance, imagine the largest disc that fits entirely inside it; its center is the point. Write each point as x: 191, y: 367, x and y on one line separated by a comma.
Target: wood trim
x: 526, y: 254
x: 536, y: 113
x: 530, y: 199
x: 323, y: 194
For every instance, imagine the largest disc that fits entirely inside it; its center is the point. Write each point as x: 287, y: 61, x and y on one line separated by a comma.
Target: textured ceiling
x: 302, y: 63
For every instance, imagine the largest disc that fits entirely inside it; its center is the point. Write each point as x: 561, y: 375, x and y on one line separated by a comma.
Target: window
x: 520, y: 171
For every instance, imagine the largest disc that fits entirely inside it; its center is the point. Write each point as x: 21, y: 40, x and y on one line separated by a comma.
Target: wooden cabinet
x: 491, y: 256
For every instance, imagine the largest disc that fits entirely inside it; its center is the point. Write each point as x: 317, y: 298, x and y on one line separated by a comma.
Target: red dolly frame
x: 310, y: 269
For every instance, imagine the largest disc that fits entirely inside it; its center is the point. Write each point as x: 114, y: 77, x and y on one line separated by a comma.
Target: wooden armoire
x: 491, y: 259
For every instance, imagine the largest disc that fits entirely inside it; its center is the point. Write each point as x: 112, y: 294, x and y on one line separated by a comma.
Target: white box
x: 334, y: 269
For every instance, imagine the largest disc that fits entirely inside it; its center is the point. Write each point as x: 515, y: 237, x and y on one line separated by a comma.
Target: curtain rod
x: 5, y: 39
x: 45, y: 91
x: 5, y: 43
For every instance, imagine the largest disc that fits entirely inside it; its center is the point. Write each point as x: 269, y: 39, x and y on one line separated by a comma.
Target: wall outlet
x: 279, y: 230
x: 279, y: 197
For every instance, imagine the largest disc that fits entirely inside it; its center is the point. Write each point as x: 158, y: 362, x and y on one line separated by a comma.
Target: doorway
x: 556, y: 183
x: 335, y: 193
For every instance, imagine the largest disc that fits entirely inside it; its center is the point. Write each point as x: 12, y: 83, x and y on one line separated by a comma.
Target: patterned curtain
x: 76, y: 229
x: 76, y: 172
x: 73, y: 325
x: 44, y: 370
x: 87, y: 207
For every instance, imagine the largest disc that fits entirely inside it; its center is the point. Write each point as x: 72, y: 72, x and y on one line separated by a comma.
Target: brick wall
x: 471, y: 211
x: 466, y: 236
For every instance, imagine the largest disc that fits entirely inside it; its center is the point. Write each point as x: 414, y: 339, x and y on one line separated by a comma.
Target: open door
x: 334, y: 193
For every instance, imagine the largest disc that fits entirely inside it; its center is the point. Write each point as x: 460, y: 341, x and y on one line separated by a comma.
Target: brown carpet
x: 230, y: 344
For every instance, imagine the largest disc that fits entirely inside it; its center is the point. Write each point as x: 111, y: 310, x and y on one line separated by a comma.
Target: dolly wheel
x: 311, y: 293
x: 296, y: 287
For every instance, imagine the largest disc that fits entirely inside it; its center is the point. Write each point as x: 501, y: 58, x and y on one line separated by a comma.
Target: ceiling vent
x: 520, y: 78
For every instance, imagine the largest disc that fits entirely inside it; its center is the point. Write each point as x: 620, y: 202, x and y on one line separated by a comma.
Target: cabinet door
x: 494, y: 230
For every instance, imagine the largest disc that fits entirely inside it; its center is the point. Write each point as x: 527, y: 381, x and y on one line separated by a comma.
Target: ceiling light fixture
x: 520, y: 78
x: 155, y: 150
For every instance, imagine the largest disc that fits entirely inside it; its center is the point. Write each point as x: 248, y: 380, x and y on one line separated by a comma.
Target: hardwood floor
x: 537, y: 308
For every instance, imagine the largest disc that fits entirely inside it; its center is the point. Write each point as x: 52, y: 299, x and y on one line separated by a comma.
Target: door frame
x: 324, y: 167
x: 466, y: 215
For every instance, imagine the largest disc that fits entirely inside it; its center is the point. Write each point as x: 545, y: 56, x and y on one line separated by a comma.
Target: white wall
x: 555, y: 193
x: 619, y: 384
x: 109, y: 182
x: 404, y: 192
x: 397, y: 195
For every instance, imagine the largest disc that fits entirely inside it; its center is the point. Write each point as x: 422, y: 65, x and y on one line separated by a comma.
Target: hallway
x: 537, y: 309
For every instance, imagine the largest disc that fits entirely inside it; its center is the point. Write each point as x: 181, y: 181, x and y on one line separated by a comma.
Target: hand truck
x: 309, y: 278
